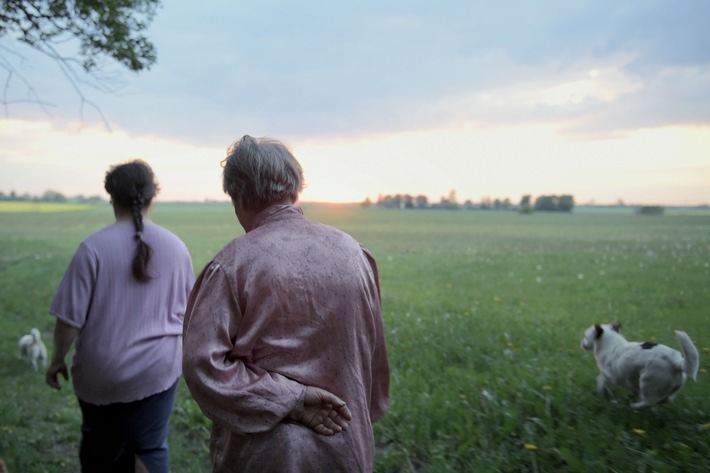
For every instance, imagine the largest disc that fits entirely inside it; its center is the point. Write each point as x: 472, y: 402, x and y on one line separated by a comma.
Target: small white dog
x: 653, y: 372
x: 32, y: 348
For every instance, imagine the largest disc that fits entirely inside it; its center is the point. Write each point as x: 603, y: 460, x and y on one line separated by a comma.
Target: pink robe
x: 289, y: 304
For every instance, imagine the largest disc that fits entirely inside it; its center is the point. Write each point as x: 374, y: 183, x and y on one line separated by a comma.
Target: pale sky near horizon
x: 608, y: 101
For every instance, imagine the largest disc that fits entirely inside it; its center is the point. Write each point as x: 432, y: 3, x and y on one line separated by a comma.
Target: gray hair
x: 260, y: 172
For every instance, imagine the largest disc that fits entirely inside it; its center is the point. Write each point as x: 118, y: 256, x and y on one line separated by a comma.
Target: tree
x: 553, y: 203
x: 650, y: 210
x: 566, y: 203
x: 110, y: 28
x: 546, y: 203
x: 422, y: 201
x: 525, y: 204
x: 53, y: 196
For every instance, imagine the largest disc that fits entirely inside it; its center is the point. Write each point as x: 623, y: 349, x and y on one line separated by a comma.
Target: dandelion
x: 531, y: 446
x: 640, y: 432
x: 547, y: 388
x: 496, y: 299
x: 580, y: 276
x: 538, y: 279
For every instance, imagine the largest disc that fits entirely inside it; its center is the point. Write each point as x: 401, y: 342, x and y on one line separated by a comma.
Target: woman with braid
x: 122, y: 300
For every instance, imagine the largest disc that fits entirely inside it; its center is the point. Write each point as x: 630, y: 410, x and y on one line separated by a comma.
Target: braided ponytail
x: 144, y: 252
x: 133, y: 187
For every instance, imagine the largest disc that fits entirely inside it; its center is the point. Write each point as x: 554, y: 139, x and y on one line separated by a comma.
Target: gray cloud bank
x: 295, y: 69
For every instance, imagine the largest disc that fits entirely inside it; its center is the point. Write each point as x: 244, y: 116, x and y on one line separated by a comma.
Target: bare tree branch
x: 100, y: 30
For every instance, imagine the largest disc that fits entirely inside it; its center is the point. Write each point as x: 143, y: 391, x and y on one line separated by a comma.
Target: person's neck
x: 246, y: 215
x: 124, y: 214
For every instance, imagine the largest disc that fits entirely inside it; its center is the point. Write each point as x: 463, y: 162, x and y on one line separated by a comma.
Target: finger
x: 344, y: 412
x: 335, y: 424
x: 326, y: 397
x: 324, y: 430
x: 52, y: 381
x: 336, y: 416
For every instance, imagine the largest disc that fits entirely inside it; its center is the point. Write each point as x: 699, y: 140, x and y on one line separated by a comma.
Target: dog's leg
x: 43, y: 356
x: 656, y: 388
x: 641, y: 405
x: 603, y: 388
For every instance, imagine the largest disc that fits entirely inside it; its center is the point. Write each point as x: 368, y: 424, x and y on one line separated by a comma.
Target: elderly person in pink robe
x: 284, y: 345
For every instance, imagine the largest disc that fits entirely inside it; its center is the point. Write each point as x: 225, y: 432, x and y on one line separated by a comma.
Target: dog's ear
x: 599, y: 330
x: 616, y: 325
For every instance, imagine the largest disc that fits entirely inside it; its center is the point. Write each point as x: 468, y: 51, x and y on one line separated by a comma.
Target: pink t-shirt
x: 130, y: 340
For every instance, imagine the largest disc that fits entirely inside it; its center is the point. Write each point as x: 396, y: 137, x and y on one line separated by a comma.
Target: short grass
x: 484, y: 312
x: 41, y: 207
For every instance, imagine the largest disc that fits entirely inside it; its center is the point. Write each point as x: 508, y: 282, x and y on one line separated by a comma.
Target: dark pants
x: 113, y: 434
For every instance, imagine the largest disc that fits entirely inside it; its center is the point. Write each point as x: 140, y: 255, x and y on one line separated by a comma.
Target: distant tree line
x: 650, y: 210
x: 48, y: 196
x: 545, y: 203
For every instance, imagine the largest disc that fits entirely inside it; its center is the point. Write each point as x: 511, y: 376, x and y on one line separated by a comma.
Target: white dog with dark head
x: 32, y: 348
x: 653, y: 372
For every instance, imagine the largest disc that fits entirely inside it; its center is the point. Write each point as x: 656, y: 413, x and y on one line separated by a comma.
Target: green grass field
x: 484, y: 313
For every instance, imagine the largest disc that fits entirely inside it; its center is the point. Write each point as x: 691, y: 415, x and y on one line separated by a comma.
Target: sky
x: 608, y: 101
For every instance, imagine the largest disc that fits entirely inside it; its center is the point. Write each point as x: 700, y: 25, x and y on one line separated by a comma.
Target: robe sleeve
x: 379, y: 396
x: 231, y: 390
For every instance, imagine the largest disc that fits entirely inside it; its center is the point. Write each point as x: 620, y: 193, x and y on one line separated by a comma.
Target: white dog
x: 653, y: 372
x: 32, y: 348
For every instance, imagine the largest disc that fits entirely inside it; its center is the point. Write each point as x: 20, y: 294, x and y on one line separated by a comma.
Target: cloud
x: 336, y: 69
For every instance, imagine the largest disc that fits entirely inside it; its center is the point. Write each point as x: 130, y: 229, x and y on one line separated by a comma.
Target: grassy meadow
x: 484, y: 313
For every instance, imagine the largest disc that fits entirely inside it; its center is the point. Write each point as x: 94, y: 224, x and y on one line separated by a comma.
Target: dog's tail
x: 690, y: 355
